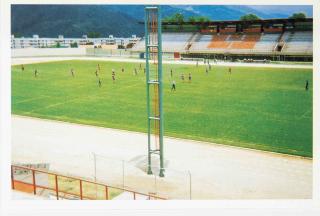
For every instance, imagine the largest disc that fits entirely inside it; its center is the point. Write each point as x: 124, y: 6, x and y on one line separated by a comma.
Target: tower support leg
x: 154, y: 77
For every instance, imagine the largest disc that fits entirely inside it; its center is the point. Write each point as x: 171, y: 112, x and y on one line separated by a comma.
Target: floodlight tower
x: 153, y: 44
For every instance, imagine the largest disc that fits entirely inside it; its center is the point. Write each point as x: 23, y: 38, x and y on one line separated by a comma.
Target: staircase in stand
x: 194, y: 38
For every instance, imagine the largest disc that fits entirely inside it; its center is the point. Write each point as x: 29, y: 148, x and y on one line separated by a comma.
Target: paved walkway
x: 217, y: 171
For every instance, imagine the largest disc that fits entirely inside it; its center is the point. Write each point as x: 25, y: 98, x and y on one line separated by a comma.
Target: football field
x: 260, y: 108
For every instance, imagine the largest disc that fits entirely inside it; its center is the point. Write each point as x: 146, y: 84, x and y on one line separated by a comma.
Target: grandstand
x: 172, y: 42
x: 275, y: 39
x: 297, y: 42
x: 267, y: 42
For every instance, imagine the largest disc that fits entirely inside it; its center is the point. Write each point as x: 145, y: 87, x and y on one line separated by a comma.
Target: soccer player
x: 35, y: 73
x: 140, y: 66
x: 173, y: 86
x: 122, y: 70
x: 22, y: 67
x: 171, y: 72
x: 229, y: 70
x: 182, y: 77
x: 307, y: 85
x: 99, y: 82
x: 72, y: 72
x: 190, y: 77
x: 113, y: 78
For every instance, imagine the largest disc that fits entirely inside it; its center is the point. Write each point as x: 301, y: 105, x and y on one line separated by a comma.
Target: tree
x: 93, y: 34
x: 249, y: 17
x: 178, y: 17
x: 202, y: 19
x: 166, y: 19
x: 192, y: 19
x: 300, y: 15
x: 17, y: 35
x: 74, y: 45
x: 199, y: 19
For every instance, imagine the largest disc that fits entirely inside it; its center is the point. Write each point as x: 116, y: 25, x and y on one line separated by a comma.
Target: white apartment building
x: 36, y: 42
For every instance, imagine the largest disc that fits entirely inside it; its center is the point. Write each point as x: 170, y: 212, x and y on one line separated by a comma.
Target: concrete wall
x: 38, y: 52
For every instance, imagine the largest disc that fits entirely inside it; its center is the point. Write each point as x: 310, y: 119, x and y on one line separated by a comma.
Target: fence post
x: 155, y: 184
x: 95, y: 166
x: 95, y: 171
x: 57, y: 188
x: 190, y: 187
x: 12, y: 178
x: 123, y: 174
x: 34, y: 182
x: 81, y: 189
x: 107, y: 194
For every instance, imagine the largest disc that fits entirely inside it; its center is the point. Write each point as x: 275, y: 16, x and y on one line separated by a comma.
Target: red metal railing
x: 56, y: 189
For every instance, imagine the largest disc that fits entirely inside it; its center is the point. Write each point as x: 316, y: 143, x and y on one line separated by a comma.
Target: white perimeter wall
x: 38, y: 52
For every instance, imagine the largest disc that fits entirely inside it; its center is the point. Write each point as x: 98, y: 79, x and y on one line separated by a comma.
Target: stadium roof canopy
x: 237, y: 22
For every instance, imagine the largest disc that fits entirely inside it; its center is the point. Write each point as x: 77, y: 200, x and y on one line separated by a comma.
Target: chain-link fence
x: 121, y: 53
x: 126, y: 174
x: 132, y: 175
x: 99, y: 52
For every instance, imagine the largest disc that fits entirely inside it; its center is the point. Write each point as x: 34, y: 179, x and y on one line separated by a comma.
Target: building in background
x: 37, y: 42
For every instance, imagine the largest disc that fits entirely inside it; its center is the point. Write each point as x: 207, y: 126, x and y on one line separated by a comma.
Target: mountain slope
x: 122, y: 20
x: 77, y: 20
x: 234, y: 12
x: 284, y: 10
x: 72, y: 21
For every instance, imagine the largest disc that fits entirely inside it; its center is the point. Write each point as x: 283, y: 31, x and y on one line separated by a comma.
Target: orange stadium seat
x: 248, y: 42
x: 219, y: 42
x: 235, y: 37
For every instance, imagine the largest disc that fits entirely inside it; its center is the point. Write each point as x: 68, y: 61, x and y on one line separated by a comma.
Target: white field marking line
x: 304, y: 114
x: 128, y: 86
x: 31, y: 99
x: 136, y: 84
x: 167, y: 137
x: 58, y: 104
x: 68, y: 101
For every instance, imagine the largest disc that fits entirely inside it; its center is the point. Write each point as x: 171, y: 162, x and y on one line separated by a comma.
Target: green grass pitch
x: 260, y: 108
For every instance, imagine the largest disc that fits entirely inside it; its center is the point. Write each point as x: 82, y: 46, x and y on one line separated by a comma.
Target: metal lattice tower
x: 154, y: 85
